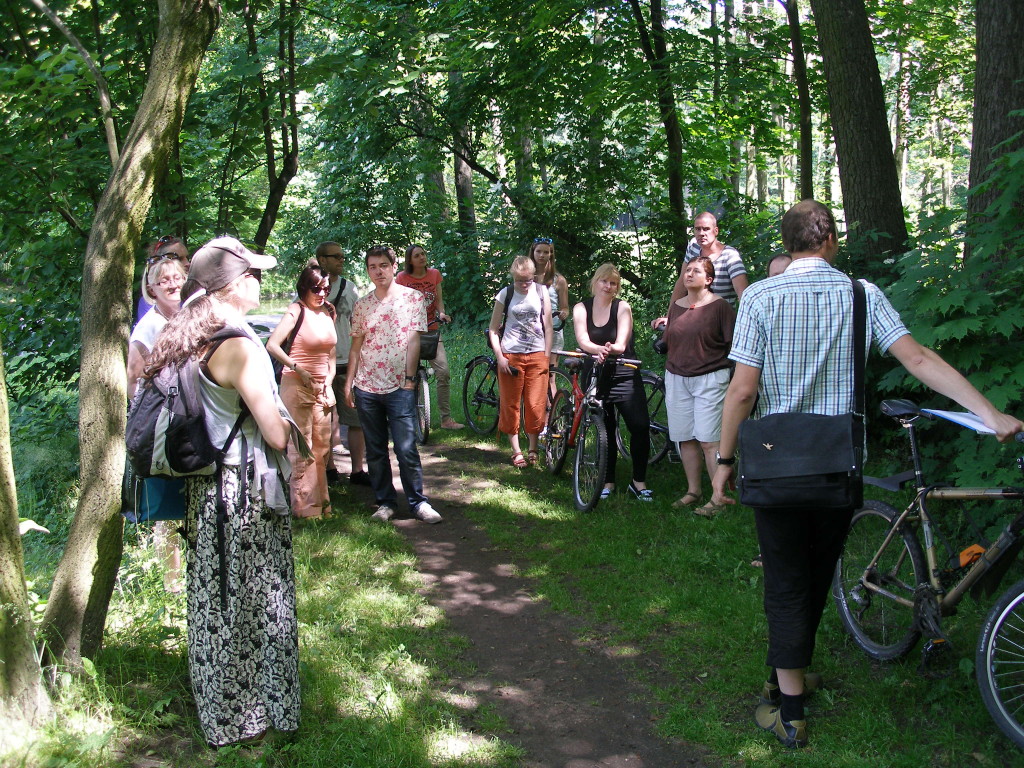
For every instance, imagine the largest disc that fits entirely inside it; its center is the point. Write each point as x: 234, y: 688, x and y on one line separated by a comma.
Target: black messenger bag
x: 807, y: 460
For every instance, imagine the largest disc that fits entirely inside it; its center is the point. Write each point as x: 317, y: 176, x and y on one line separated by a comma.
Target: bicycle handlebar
x: 616, y: 360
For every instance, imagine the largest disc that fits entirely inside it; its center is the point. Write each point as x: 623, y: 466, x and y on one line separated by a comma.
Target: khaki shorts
x: 346, y: 415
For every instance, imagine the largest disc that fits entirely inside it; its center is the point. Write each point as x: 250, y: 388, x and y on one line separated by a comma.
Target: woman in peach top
x: 306, y: 387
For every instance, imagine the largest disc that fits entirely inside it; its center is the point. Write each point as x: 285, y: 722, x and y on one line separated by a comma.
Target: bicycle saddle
x: 900, y: 409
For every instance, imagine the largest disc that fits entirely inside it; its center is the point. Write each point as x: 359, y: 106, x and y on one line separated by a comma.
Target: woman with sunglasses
x: 167, y: 248
x: 240, y: 576
x: 161, y: 499
x: 306, y: 386
x: 542, y: 251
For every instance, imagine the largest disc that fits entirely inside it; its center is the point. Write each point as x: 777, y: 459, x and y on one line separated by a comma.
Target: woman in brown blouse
x: 698, y: 337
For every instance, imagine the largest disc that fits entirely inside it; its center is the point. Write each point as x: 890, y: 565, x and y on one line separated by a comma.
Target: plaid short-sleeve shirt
x: 798, y: 329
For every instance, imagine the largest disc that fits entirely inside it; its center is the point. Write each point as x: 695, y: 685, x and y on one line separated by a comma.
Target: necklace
x: 701, y: 301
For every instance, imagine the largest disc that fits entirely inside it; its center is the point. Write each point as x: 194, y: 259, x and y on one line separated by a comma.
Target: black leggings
x: 638, y: 422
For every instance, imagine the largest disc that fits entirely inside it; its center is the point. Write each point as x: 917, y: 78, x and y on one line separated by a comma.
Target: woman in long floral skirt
x: 240, y: 578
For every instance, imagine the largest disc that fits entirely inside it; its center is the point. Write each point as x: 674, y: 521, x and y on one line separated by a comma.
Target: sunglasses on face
x: 257, y: 273
x: 321, y: 290
x: 545, y: 240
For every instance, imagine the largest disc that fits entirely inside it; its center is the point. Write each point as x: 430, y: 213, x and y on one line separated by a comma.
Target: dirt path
x: 569, y: 703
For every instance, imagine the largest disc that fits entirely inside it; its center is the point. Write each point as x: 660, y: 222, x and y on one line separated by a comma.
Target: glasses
x: 170, y: 255
x: 257, y: 273
x: 545, y: 240
x: 524, y: 283
x: 331, y: 255
x: 163, y: 282
x: 322, y: 290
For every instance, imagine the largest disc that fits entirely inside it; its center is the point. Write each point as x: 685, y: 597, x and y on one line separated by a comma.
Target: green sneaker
x: 770, y: 693
x: 791, y: 735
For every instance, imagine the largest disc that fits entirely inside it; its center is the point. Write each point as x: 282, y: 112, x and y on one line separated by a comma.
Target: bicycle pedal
x: 937, y: 651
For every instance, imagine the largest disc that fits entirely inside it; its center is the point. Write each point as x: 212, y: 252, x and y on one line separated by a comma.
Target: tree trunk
x: 77, y: 608
x: 998, y: 90
x: 867, y: 170
x: 803, y: 100
x: 655, y: 50
x: 463, y: 172
x: 288, y: 119
x: 22, y: 696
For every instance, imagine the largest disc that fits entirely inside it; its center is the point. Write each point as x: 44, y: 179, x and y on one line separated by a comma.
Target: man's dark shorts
x: 346, y: 415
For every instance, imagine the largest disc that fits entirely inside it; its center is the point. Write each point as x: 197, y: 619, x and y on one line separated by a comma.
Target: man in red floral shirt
x: 386, y: 328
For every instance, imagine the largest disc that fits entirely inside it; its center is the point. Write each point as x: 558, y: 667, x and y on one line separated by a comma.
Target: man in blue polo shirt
x: 793, y: 353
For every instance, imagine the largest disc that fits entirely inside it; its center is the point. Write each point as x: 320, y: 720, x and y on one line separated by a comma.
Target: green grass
x: 647, y: 580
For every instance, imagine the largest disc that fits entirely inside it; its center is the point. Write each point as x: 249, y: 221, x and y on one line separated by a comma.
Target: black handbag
x: 807, y: 460
x: 428, y: 344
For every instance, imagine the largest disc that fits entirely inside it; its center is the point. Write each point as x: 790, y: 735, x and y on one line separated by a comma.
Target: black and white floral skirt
x: 242, y: 635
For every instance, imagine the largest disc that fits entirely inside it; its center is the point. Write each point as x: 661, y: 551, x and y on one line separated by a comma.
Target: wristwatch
x: 410, y: 378
x: 722, y: 461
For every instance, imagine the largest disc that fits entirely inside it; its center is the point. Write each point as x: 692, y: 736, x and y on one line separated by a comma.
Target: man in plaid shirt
x: 792, y: 348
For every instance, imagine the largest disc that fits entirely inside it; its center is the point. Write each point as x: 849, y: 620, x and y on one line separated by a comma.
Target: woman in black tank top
x: 604, y: 327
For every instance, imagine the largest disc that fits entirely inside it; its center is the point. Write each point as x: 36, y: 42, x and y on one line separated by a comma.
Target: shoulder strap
x: 341, y: 293
x: 508, y: 300
x: 287, y: 346
x: 860, y: 322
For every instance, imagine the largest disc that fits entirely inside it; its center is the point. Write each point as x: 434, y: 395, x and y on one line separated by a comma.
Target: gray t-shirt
x: 343, y: 318
x: 524, y: 331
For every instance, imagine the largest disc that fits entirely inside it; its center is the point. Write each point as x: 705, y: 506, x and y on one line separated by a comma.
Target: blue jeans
x: 376, y: 413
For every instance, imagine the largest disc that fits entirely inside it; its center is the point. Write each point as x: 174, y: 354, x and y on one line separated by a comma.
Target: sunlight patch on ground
x: 460, y: 747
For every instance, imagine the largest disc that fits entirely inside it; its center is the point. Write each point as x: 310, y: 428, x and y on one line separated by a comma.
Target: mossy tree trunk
x: 22, y: 696
x: 77, y: 608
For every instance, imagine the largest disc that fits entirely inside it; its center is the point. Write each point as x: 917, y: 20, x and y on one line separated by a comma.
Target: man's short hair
x: 806, y: 226
x: 381, y: 250
x: 326, y: 246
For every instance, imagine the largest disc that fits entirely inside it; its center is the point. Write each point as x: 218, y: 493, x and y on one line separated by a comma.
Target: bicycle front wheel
x: 654, y: 394
x: 591, y: 462
x: 480, y: 396
x: 883, y: 627
x: 999, y: 663
x: 556, y: 435
x: 422, y: 408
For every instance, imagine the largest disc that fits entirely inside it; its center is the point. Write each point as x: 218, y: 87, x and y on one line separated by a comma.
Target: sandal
x: 710, y: 509
x: 518, y: 461
x: 757, y: 562
x: 531, y: 458
x: 688, y: 500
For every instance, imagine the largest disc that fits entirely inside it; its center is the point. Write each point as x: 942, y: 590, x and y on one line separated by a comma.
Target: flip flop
x: 680, y: 503
x: 518, y: 461
x: 757, y: 562
x: 709, y: 510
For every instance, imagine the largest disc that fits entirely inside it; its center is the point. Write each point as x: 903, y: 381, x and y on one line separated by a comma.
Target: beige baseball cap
x: 219, y: 262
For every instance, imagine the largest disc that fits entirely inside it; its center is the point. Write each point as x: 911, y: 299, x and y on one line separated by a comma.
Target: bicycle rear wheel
x: 480, y: 395
x: 422, y: 408
x: 654, y: 392
x: 556, y: 437
x: 999, y: 663
x: 591, y: 462
x: 883, y: 627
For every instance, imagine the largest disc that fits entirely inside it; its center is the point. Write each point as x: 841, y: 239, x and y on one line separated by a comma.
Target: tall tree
x: 84, y: 581
x: 867, y: 170
x: 22, y: 696
x: 803, y: 99
x: 998, y: 95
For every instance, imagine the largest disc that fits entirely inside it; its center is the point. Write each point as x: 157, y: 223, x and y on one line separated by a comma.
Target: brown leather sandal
x: 518, y: 461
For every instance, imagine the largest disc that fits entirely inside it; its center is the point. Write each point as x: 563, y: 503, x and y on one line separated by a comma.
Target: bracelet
x: 410, y: 378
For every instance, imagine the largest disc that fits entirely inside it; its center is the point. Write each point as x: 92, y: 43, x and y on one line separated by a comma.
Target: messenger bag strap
x: 860, y: 322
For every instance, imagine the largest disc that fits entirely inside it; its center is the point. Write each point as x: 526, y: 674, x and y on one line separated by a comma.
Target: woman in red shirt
x: 427, y: 281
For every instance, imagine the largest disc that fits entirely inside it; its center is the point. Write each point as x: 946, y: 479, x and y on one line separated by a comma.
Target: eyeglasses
x: 257, y: 273
x: 545, y: 240
x: 331, y: 255
x: 163, y: 282
x: 323, y: 290
x: 524, y: 283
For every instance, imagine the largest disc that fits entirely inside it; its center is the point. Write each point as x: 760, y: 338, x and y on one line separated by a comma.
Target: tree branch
x: 101, y: 83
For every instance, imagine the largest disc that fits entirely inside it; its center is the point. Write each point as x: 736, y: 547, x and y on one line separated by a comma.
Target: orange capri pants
x: 530, y: 386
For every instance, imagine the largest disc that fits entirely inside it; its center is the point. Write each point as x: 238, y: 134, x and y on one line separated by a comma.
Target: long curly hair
x: 187, y: 334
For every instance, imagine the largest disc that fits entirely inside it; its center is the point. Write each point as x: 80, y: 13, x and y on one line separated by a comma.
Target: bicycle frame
x: 917, y: 512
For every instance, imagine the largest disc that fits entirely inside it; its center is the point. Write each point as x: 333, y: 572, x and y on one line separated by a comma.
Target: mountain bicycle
x: 890, y: 591
x: 576, y: 419
x: 654, y: 394
x: 424, y: 372
x: 480, y: 392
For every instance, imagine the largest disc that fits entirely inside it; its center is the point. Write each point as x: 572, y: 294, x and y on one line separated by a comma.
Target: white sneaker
x: 427, y: 513
x: 384, y: 513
